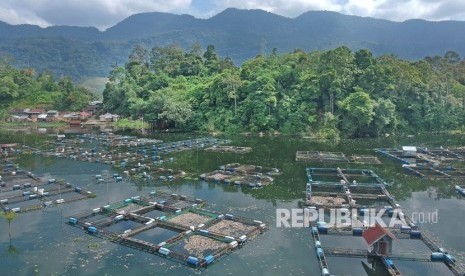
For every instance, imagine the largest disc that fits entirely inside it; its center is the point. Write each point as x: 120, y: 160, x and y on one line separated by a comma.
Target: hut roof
x: 375, y: 233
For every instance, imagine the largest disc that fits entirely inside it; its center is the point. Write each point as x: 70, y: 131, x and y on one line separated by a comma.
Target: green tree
x: 9, y: 216
x: 358, y: 113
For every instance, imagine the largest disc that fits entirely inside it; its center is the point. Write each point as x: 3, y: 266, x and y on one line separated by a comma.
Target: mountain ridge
x: 239, y: 34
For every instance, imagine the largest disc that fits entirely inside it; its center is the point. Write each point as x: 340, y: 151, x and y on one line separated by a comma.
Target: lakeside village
x: 89, y: 115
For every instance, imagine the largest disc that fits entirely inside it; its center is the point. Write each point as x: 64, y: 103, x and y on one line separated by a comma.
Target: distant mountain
x: 239, y: 34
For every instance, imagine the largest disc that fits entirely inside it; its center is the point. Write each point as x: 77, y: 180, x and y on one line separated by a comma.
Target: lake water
x: 42, y: 243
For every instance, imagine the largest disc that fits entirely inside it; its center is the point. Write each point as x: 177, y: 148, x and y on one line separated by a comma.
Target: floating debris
x: 190, y: 219
x: 196, y: 245
x: 231, y: 228
x: 237, y: 174
x: 327, y: 201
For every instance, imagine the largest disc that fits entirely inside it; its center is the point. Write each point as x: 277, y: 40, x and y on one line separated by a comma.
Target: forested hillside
x: 238, y: 34
x: 27, y: 89
x: 329, y: 94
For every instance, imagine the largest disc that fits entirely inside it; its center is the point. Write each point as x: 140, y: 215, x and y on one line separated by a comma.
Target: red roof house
x: 379, y: 240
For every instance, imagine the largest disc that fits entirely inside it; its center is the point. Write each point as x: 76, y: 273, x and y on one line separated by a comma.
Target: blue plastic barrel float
x: 92, y: 230
x: 357, y: 232
x: 415, y: 234
x: 437, y: 257
x: 193, y: 261
x: 209, y: 259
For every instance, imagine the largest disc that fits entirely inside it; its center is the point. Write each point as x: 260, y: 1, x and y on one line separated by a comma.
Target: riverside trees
x: 327, y: 93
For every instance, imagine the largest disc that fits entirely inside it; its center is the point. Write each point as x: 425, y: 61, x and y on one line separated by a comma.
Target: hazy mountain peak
x: 237, y: 33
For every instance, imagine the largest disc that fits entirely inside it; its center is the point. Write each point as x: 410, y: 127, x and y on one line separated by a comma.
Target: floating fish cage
x: 173, y: 202
x: 443, y: 154
x: 398, y: 155
x: 253, y: 181
x: 406, y: 238
x: 157, y: 200
x: 182, y: 145
x: 250, y: 169
x: 126, y: 141
x: 108, y: 140
x: 194, y: 237
x: 364, y: 159
x: 242, y: 175
x: 321, y: 156
x: 435, y: 172
x: 133, y: 151
x: 229, y: 149
x: 20, y: 181
x: 38, y: 197
x: 424, y: 156
x: 342, y: 188
x: 191, y: 219
x: 337, y: 176
x: 7, y: 166
x: 161, y: 174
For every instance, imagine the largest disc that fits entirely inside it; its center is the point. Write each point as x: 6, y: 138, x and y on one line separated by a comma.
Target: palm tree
x: 9, y: 216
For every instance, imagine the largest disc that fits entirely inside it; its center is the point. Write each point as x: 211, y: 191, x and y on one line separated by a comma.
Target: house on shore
x: 33, y: 114
x: 52, y: 115
x: 108, y: 117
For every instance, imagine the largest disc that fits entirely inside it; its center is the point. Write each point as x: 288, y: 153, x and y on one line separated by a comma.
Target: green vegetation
x: 328, y: 94
x: 9, y: 216
x: 23, y: 89
x: 126, y: 123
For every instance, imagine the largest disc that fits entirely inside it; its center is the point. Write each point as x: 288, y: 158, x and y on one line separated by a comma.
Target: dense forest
x: 24, y: 88
x: 329, y: 94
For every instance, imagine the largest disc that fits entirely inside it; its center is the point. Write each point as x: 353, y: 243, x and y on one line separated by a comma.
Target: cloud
x: 397, y: 10
x: 400, y: 10
x: 106, y: 13
x: 98, y: 13
x: 13, y: 16
x: 289, y: 8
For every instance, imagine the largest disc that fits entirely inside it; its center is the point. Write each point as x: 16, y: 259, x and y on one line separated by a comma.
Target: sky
x: 106, y: 13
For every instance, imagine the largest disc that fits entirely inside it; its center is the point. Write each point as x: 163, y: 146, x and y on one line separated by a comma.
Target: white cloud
x: 99, y: 13
x: 397, y: 10
x: 12, y: 16
x: 289, y: 8
x: 400, y: 10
